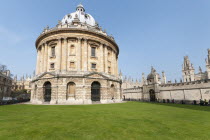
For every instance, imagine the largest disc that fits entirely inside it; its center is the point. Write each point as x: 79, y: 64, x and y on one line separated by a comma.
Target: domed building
x: 77, y: 63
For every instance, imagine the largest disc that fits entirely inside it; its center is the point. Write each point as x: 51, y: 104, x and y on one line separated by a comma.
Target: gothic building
x: 5, y: 84
x: 192, y: 87
x: 24, y: 83
x: 77, y: 63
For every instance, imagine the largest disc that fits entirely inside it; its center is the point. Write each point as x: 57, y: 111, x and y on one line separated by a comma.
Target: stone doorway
x: 47, y: 92
x: 152, y: 95
x: 95, y: 91
x: 71, y: 89
x: 112, y: 90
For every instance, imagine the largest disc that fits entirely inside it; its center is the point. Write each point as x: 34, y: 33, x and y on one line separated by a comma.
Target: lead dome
x: 80, y: 15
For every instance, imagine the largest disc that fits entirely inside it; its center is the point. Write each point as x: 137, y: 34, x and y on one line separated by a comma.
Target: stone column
x: 79, y: 54
x: 38, y: 61
x: 64, y: 55
x: 46, y: 58
x: 106, y: 59
x: 113, y: 63
x: 43, y: 57
x: 85, y: 61
x: 58, y: 53
x: 101, y: 57
x: 117, y: 65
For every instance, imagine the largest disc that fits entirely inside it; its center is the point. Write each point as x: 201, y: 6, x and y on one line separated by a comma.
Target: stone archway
x: 47, y: 92
x: 112, y: 91
x: 95, y: 91
x: 152, y: 95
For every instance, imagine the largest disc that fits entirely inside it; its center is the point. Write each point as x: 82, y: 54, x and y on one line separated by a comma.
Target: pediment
x: 46, y: 75
x: 96, y: 75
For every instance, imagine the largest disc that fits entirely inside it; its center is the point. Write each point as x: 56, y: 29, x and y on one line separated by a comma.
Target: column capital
x: 79, y: 38
x: 105, y: 44
x: 59, y: 38
x: 65, y: 38
x: 86, y: 39
x: 44, y: 43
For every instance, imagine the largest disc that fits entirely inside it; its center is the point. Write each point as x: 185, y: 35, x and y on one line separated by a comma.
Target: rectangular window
x: 93, y: 66
x: 53, y: 51
x: 72, y: 65
x: 72, y: 50
x: 109, y: 69
x: 52, y: 65
x: 93, y: 51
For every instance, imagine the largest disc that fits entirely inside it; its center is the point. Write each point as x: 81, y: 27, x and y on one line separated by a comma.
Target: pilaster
x: 79, y: 54
x: 101, y: 58
x: 59, y: 54
x: 85, y: 61
x: 46, y: 57
x: 64, y: 55
x: 43, y: 57
x: 106, y: 60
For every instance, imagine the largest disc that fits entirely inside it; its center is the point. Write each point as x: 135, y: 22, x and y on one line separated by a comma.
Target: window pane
x: 53, y: 51
x: 52, y: 65
x: 93, y: 66
x: 72, y: 65
x: 93, y: 51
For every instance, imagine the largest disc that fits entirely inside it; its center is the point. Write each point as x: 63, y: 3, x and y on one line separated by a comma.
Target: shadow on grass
x: 185, y: 106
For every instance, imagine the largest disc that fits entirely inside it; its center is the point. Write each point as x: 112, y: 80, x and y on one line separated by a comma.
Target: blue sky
x: 149, y: 33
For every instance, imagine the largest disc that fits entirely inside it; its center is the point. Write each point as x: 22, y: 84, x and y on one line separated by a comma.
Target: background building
x: 5, y: 84
x: 77, y: 63
x: 24, y: 83
x: 192, y: 87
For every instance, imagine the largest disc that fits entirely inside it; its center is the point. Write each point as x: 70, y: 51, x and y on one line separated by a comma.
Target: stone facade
x: 192, y: 87
x: 77, y: 63
x: 5, y: 85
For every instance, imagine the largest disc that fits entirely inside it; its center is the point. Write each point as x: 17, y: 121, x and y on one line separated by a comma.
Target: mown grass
x: 132, y: 120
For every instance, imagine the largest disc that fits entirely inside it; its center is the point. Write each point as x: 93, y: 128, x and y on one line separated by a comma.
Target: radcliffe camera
x: 104, y: 70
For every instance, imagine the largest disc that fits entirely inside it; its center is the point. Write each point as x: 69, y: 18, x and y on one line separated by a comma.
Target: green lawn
x: 132, y: 120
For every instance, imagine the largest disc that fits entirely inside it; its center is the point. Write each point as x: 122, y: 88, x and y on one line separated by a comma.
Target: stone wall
x: 82, y: 94
x: 186, y: 91
x: 133, y: 94
x: 177, y: 92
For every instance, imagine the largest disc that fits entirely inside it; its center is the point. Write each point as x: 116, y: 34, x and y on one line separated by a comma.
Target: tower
x: 208, y: 64
x: 188, y: 72
x: 163, y: 78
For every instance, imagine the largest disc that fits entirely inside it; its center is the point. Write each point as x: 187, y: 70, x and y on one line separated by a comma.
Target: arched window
x: 95, y: 91
x: 112, y: 91
x: 47, y: 92
x: 71, y: 90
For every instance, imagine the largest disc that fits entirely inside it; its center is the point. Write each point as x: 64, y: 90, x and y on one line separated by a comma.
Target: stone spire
x: 143, y: 79
x: 208, y: 64
x: 188, y: 71
x: 200, y: 70
x: 121, y: 75
x: 163, y: 78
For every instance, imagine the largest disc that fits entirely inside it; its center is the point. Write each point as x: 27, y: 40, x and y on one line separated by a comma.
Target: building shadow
x: 184, y: 106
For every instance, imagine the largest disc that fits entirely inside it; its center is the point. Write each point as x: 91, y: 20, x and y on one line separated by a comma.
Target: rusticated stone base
x: 109, y: 91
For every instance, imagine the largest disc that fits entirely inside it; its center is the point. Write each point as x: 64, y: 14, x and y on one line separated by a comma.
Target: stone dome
x: 79, y: 15
x: 151, y: 76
